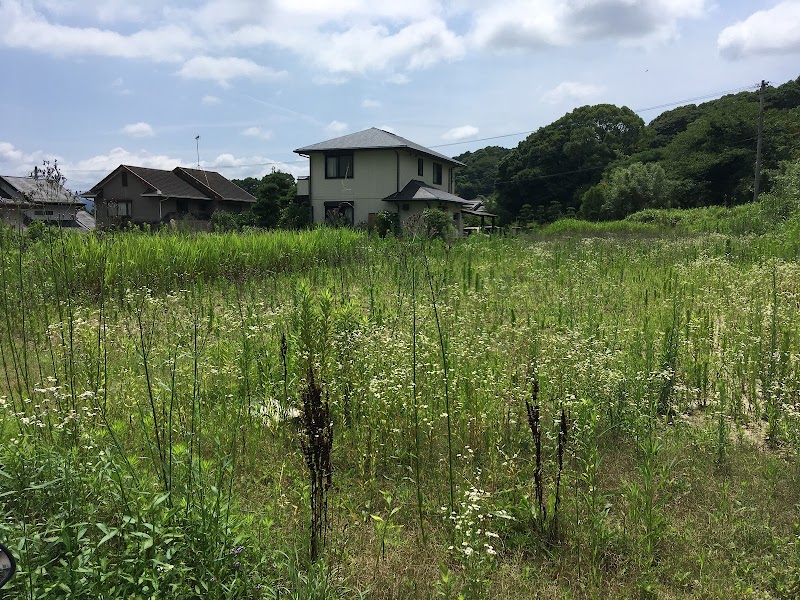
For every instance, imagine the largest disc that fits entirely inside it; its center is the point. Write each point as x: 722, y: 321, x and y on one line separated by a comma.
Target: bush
x: 438, y: 223
x: 387, y: 222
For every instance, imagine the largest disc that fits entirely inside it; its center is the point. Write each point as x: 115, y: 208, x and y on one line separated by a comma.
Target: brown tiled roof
x: 214, y: 184
x: 181, y: 182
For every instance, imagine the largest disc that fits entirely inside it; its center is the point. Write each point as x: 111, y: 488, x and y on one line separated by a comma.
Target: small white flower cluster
x: 471, y: 522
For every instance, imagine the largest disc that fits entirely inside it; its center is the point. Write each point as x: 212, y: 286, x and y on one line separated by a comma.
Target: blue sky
x: 109, y: 82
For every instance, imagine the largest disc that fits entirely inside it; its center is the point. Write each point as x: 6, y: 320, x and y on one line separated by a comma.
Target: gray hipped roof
x: 373, y: 139
x: 416, y: 190
x: 40, y: 191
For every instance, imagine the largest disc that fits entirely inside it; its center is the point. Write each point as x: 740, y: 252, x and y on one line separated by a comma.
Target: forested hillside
x: 602, y: 162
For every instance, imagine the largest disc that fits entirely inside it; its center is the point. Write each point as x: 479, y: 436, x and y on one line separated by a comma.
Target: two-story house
x: 354, y: 177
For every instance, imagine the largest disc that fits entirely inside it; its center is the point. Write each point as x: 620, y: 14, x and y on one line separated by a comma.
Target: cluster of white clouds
x: 573, y: 91
x: 773, y: 31
x: 460, y: 133
x: 352, y: 37
x: 139, y: 130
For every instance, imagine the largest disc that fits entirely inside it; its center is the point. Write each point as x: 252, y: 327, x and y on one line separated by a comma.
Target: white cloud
x: 336, y: 127
x: 460, y: 133
x: 569, y: 91
x: 234, y: 167
x: 20, y: 163
x: 210, y: 100
x: 104, y: 11
x: 257, y: 132
x: 531, y: 24
x: 24, y: 27
x: 222, y: 70
x: 389, y: 128
x: 398, y: 79
x: 769, y: 32
x: 375, y: 47
x: 101, y: 165
x: 138, y: 130
x: 370, y: 103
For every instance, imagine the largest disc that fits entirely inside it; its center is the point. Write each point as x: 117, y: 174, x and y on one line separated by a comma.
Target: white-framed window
x: 339, y: 166
x: 437, y: 173
x: 420, y: 167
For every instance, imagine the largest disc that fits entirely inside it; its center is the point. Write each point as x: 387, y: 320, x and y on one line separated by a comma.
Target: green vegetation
x: 601, y: 410
x: 602, y: 162
x: 479, y: 176
x: 276, y: 205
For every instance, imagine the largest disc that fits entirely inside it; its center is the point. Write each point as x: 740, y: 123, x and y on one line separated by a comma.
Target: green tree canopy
x: 626, y: 190
x: 559, y: 162
x: 478, y: 177
x: 275, y: 193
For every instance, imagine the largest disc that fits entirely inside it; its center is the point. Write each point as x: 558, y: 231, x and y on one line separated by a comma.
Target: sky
x: 95, y: 84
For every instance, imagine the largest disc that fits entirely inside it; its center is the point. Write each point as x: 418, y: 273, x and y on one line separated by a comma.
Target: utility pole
x: 757, y: 183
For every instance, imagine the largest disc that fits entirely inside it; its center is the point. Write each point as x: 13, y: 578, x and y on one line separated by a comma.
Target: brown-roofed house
x: 154, y: 196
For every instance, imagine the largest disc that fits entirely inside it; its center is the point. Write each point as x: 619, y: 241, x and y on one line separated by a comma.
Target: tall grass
x: 152, y: 412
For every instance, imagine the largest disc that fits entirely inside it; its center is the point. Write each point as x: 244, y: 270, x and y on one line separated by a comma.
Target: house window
x: 456, y: 217
x: 437, y: 173
x: 182, y: 206
x: 339, y: 213
x: 420, y: 167
x: 43, y: 213
x: 338, y: 166
x: 124, y: 179
x: 119, y: 209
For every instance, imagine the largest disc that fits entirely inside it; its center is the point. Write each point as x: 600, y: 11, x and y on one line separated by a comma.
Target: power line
x: 637, y: 110
x: 484, y: 139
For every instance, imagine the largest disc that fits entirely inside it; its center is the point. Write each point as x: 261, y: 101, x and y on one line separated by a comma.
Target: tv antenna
x: 197, y: 143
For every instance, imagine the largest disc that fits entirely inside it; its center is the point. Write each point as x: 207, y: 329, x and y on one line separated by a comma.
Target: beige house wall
x: 376, y: 175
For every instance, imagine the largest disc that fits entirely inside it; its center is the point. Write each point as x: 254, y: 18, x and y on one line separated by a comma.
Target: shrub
x: 438, y: 223
x: 387, y: 222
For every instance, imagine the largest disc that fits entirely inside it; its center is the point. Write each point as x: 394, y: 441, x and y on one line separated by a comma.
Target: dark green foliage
x: 669, y: 124
x: 559, y: 162
x: 479, y: 175
x: 295, y: 215
x: 387, y: 222
x: 706, y: 152
x: 274, y: 193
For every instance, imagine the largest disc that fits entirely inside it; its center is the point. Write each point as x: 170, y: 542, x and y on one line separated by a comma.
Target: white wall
x: 375, y: 176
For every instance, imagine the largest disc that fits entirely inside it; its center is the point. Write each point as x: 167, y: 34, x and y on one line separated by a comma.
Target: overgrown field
x: 612, y: 416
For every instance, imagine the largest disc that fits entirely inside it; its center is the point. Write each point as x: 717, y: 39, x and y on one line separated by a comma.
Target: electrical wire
x: 484, y: 139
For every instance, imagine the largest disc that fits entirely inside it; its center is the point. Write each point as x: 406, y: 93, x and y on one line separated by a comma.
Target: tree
x: 559, y: 162
x: 479, y: 175
x: 274, y: 192
x: 627, y: 190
